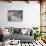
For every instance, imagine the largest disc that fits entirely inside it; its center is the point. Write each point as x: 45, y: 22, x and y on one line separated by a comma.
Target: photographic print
x: 15, y: 15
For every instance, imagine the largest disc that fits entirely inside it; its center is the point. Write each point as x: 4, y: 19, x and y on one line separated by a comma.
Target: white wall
x: 31, y: 14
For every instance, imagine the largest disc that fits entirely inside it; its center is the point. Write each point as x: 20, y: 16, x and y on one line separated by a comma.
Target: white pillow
x: 5, y: 32
x: 28, y: 31
x: 23, y: 31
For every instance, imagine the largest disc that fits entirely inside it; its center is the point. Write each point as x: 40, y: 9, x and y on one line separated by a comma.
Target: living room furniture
x: 17, y: 35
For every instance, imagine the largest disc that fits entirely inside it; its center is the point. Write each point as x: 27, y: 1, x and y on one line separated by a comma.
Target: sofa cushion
x: 23, y: 31
x: 17, y: 30
x: 11, y: 30
x: 22, y: 38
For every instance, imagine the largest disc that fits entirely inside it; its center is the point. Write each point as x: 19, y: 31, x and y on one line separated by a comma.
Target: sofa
x: 22, y: 34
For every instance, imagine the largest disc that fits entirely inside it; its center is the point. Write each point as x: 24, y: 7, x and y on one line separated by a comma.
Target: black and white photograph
x: 15, y: 15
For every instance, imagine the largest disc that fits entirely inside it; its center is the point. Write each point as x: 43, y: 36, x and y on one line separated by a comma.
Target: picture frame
x: 15, y: 15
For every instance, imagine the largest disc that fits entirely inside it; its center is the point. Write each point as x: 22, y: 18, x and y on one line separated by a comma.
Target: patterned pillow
x: 17, y: 30
x: 11, y: 30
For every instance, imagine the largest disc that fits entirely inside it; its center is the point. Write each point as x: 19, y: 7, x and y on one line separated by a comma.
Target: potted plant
x: 37, y: 33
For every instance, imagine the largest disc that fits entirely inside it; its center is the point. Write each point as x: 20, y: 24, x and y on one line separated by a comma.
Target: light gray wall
x: 31, y: 14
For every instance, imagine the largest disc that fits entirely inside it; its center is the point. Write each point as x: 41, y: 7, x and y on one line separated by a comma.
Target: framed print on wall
x: 15, y: 15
